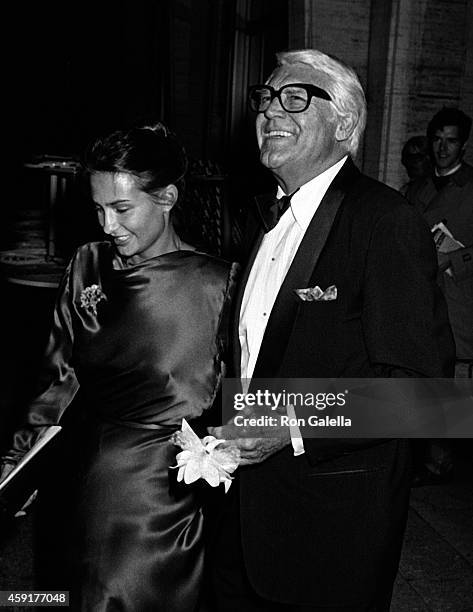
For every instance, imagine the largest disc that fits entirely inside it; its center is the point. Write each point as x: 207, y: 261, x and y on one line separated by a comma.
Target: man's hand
x: 254, y: 449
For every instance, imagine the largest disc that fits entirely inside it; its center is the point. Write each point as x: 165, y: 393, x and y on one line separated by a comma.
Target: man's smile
x: 277, y: 134
x: 120, y: 239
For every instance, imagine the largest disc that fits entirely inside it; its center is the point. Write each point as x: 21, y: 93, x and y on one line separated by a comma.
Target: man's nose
x: 110, y: 223
x: 274, y: 108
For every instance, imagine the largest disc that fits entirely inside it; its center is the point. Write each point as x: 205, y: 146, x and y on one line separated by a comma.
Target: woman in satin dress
x: 138, y: 326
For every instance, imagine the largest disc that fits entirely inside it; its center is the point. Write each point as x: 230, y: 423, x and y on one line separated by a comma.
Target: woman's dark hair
x: 151, y: 153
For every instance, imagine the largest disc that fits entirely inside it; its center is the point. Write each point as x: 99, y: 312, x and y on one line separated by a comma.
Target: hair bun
x: 158, y: 128
x: 150, y: 151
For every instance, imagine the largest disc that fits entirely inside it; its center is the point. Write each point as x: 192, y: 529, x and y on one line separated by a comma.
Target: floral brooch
x: 90, y: 297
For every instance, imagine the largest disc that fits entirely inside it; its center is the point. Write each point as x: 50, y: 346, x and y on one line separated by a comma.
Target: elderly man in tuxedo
x: 317, y: 523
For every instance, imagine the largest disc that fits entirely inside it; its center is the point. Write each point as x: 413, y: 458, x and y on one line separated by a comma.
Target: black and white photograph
x: 236, y: 270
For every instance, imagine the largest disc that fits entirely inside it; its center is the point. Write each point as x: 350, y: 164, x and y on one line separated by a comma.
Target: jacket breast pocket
x: 320, y: 309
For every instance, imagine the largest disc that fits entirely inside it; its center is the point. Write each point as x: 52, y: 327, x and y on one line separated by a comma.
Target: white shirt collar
x: 305, y: 201
x: 454, y: 169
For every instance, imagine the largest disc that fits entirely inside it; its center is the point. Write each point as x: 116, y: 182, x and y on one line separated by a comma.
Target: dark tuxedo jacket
x: 326, y: 528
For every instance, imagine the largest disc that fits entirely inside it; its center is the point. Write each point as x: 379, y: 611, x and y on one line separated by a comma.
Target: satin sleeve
x: 224, y: 326
x: 57, y: 383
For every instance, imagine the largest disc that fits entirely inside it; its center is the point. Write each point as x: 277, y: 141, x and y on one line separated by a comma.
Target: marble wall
x: 412, y: 56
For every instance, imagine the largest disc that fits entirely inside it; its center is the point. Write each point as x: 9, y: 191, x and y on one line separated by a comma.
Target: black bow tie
x: 272, y: 213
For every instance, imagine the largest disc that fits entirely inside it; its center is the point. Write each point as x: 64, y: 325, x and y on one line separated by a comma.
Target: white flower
x: 202, y: 459
x: 90, y: 297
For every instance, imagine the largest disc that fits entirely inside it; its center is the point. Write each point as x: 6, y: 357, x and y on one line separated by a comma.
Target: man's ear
x: 167, y: 196
x: 346, y: 125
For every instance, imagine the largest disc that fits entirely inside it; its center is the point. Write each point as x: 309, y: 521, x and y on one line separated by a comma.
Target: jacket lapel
x: 286, y: 306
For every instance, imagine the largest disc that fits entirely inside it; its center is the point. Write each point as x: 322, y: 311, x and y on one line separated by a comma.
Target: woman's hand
x: 27, y: 504
x: 5, y: 469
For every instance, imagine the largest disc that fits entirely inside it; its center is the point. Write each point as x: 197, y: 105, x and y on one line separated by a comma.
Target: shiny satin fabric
x: 145, y: 356
x: 143, y: 530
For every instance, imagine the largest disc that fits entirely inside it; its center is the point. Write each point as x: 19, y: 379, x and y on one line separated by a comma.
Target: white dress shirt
x: 273, y: 260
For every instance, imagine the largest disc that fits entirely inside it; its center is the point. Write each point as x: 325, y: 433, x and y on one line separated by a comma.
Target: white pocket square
x: 316, y: 294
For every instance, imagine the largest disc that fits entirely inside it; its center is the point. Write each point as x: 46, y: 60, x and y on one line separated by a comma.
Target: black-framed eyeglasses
x: 294, y: 97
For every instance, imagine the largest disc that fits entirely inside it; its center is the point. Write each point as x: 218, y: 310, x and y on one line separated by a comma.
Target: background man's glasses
x: 294, y: 98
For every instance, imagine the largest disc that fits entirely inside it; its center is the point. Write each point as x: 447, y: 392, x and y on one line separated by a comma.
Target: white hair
x: 344, y: 87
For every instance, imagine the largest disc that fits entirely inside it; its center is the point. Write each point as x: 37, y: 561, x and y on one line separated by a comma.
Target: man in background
x: 445, y: 199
